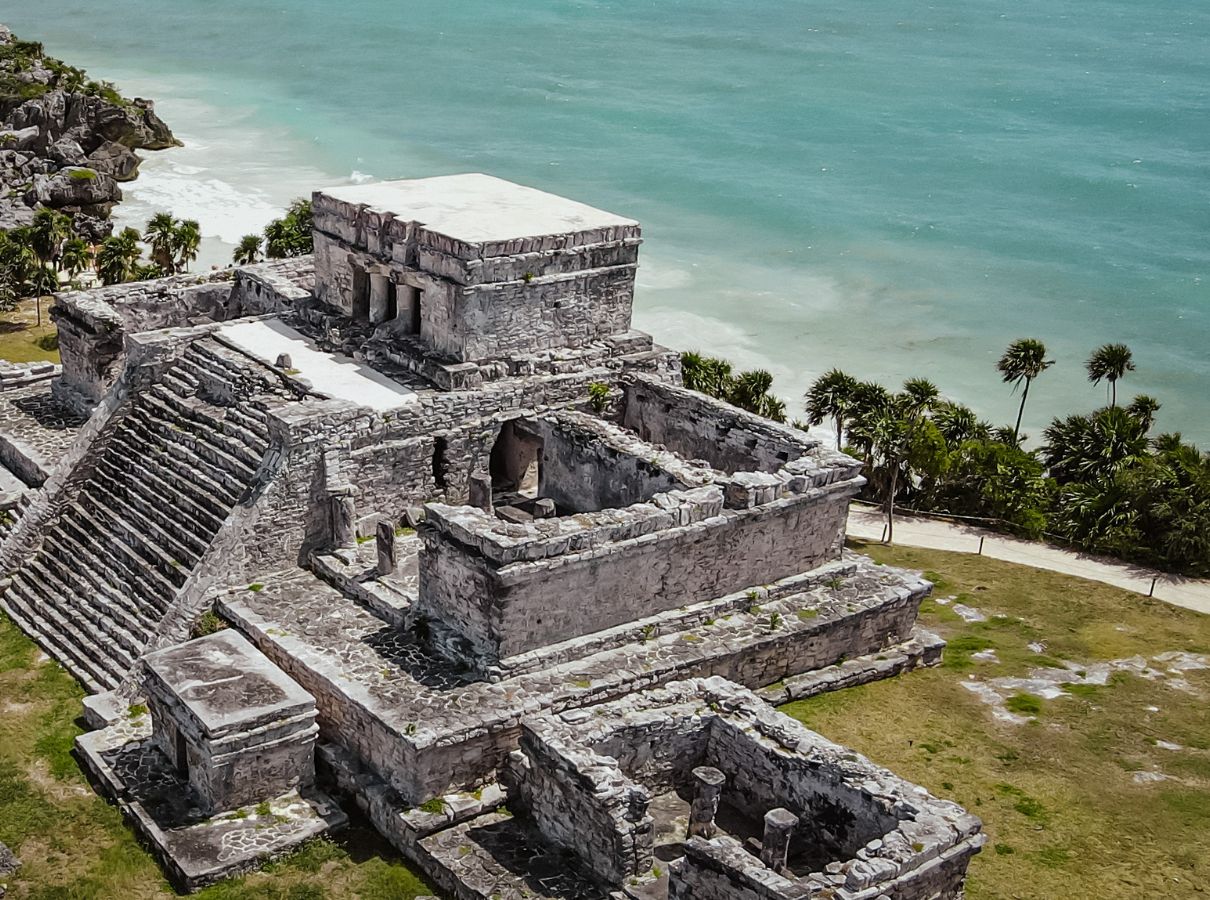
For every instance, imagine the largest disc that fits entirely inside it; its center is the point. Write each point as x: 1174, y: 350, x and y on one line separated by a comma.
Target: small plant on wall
x: 598, y: 396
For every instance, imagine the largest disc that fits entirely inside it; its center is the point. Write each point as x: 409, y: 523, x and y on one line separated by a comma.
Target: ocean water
x: 889, y: 187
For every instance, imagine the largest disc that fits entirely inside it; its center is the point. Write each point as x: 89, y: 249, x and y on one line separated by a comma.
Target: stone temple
x: 420, y: 526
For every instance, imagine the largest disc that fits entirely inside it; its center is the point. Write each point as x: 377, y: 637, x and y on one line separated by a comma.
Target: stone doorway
x: 516, y: 463
x: 361, y: 293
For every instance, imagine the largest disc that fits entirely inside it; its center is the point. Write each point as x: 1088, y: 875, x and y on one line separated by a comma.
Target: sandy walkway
x: 866, y: 522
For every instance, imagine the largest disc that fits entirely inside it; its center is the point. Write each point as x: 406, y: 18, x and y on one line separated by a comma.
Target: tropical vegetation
x: 1102, y: 481
x: 750, y: 390
x: 285, y: 237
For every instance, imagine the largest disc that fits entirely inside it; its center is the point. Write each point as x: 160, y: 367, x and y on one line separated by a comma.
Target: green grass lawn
x: 1065, y: 814
x: 75, y: 846
x: 22, y: 339
x: 1066, y: 817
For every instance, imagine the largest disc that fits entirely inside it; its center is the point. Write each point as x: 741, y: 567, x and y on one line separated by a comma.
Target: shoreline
x: 67, y: 141
x: 836, y: 302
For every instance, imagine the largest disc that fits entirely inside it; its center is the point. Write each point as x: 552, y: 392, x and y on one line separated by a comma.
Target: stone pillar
x: 709, y: 783
x: 775, y: 848
x: 479, y: 489
x: 344, y: 518
x: 379, y: 286
x: 386, y: 548
x: 544, y: 508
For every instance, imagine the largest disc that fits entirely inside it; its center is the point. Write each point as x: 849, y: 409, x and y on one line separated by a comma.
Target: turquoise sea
x: 890, y: 187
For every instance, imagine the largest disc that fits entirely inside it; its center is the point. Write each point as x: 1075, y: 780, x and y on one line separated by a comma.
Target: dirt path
x: 866, y: 522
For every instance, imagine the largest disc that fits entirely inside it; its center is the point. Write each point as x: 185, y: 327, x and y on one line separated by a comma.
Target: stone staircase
x: 162, y: 481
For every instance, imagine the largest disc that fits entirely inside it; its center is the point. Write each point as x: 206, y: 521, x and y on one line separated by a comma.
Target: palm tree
x: 831, y: 396
x: 1144, y: 407
x: 1096, y: 447
x: 185, y: 241
x: 18, y: 260
x: 1110, y: 362
x: 118, y: 257
x: 76, y: 257
x: 45, y: 281
x: 49, y: 229
x: 161, y: 237
x: 750, y: 390
x: 1023, y: 361
x: 958, y: 424
x: 706, y: 374
x: 247, y: 251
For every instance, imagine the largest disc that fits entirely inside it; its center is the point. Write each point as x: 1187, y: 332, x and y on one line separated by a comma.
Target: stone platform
x: 196, y: 849
x: 434, y: 729
x: 35, y: 431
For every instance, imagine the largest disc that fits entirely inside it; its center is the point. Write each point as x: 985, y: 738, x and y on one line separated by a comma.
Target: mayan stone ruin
x: 420, y: 526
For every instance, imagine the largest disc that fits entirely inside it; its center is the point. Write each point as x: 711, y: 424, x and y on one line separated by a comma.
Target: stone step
x: 91, y: 619
x: 251, y: 419
x: 180, y: 382
x: 21, y: 609
x: 74, y: 565
x: 166, y: 540
x: 166, y: 467
x: 186, y: 539
x: 121, y: 589
x: 76, y: 652
x: 141, y: 578
x: 211, y: 369
x: 130, y: 539
x: 175, y: 460
x: 156, y: 486
x: 203, y: 442
x: 209, y: 423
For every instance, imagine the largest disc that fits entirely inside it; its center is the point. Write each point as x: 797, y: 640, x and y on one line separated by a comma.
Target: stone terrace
x: 421, y: 722
x: 37, y: 431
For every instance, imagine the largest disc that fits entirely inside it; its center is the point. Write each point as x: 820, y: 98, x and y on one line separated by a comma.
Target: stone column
x: 379, y: 286
x: 479, y: 489
x: 386, y: 548
x: 709, y: 783
x: 775, y: 848
x: 344, y: 518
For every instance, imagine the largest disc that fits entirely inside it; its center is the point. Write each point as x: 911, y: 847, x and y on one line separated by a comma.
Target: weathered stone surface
x: 194, y: 847
x: 663, y: 537
x: 8, y: 861
x: 826, y: 812
x: 234, y: 724
x: 115, y: 160
x: 77, y: 188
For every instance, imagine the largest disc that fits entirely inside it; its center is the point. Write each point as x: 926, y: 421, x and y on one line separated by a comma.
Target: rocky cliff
x: 66, y: 141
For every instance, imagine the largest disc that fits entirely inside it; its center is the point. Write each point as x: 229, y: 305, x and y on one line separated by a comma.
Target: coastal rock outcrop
x: 66, y: 141
x: 75, y: 189
x: 115, y: 160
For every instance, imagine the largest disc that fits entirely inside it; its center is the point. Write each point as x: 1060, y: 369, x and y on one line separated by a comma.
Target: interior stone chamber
x: 472, y: 545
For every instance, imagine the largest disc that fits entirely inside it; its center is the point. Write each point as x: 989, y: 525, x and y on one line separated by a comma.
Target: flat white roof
x: 340, y: 377
x: 477, y: 208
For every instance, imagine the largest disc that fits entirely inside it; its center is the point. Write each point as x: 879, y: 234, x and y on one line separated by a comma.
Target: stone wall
x: 583, y: 470
x: 861, y: 828
x: 695, y: 426
x: 486, y: 300
x: 93, y: 324
x: 578, y: 804
x: 530, y: 604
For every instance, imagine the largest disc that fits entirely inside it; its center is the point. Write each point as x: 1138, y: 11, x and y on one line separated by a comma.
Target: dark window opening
x: 361, y: 293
